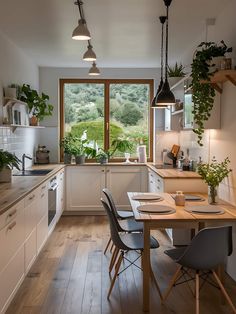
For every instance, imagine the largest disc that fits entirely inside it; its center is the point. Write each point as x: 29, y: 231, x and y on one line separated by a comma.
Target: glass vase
x: 213, y: 194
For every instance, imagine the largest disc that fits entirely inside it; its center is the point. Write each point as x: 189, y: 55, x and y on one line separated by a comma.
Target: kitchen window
x: 106, y: 109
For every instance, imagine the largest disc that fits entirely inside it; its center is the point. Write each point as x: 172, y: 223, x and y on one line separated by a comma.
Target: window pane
x: 84, y: 110
x: 129, y: 114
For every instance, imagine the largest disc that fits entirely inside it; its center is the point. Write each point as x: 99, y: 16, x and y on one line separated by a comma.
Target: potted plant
x: 175, y: 73
x: 203, y: 91
x: 81, y: 150
x: 103, y: 156
x: 213, y: 173
x: 67, y: 144
x: 38, y: 105
x: 7, y: 162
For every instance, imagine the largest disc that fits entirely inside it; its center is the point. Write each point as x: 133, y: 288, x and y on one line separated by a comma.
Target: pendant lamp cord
x: 162, y: 40
x: 167, y: 19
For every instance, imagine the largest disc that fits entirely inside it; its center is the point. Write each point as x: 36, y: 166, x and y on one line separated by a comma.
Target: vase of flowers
x: 213, y: 173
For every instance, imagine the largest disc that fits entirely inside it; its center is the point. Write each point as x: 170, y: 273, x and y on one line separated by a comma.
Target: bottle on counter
x: 179, y: 198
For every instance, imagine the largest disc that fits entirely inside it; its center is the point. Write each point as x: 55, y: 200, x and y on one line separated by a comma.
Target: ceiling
x: 125, y: 33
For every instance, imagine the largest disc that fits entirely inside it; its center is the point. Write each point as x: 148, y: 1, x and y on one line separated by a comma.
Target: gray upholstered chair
x: 207, y: 251
x: 127, y: 224
x: 124, y: 243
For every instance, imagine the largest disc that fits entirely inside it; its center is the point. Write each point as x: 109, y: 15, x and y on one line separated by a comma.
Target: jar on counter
x: 179, y: 198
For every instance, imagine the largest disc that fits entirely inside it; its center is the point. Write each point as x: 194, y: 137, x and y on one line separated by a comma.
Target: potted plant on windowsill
x: 213, y: 174
x: 81, y: 150
x: 38, y: 105
x: 67, y: 144
x: 202, y: 89
x: 7, y: 162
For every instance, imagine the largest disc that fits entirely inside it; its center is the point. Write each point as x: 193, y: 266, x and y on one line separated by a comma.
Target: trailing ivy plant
x: 203, y: 91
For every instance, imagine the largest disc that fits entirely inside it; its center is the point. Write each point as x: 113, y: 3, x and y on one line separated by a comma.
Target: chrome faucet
x: 23, y: 161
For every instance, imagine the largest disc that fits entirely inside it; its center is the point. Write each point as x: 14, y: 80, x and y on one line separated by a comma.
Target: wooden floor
x: 71, y: 276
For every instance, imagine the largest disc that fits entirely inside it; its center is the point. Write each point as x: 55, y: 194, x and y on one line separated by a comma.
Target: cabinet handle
x: 158, y: 187
x: 43, y: 187
x: 108, y: 170
x: 158, y: 180
x: 12, y: 213
x: 11, y: 226
x: 151, y: 181
x: 103, y: 170
x: 42, y: 195
x: 31, y: 197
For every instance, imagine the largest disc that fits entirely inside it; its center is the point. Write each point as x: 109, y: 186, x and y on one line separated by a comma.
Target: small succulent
x: 176, y: 70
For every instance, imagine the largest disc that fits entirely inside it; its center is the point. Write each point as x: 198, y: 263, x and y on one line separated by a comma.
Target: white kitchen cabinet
x: 31, y: 210
x: 123, y: 179
x: 60, y: 193
x: 42, y: 216
x: 84, y: 185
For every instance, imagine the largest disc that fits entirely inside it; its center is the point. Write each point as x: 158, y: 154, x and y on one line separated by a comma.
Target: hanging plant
x: 203, y: 91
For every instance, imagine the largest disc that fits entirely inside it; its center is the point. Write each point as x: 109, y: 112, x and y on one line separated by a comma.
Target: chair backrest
x: 208, y: 249
x: 113, y: 227
x: 110, y: 201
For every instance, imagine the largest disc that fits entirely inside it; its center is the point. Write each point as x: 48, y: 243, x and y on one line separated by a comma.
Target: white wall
x: 49, y: 84
x: 18, y: 68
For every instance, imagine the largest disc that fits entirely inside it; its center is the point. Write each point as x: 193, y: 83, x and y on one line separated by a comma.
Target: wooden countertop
x: 172, y: 173
x: 11, y: 193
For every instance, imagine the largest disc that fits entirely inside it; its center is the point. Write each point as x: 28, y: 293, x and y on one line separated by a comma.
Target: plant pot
x: 213, y: 194
x: 103, y: 160
x: 5, y: 175
x: 34, y: 121
x: 173, y: 80
x: 80, y: 159
x: 67, y: 158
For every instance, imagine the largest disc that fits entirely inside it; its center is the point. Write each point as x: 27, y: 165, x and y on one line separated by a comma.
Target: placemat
x: 147, y: 197
x: 156, y: 209
x: 191, y: 197
x: 205, y: 209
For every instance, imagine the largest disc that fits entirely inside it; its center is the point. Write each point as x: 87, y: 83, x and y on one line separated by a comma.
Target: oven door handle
x: 54, y: 187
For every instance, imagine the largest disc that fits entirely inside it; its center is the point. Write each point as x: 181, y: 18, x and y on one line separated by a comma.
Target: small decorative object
x: 228, y: 63
x: 175, y: 73
x: 179, y: 198
x: 203, y: 91
x: 127, y: 157
x: 42, y: 155
x: 213, y: 173
x: 7, y: 162
x: 10, y: 92
x: 38, y: 105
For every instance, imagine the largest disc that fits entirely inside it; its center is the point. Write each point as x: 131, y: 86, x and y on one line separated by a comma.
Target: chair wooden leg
x: 172, y: 282
x: 156, y: 283
x: 111, y: 247
x: 197, y: 292
x: 107, y: 246
x: 224, y: 291
x: 117, y: 267
x: 113, y: 259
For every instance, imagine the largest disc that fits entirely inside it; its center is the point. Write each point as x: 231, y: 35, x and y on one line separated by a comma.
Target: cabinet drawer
x: 11, y: 238
x: 11, y: 214
x: 30, y: 250
x: 10, y: 278
x: 42, y: 232
x: 31, y: 197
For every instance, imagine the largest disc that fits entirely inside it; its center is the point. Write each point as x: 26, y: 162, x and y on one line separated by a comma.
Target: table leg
x: 146, y: 267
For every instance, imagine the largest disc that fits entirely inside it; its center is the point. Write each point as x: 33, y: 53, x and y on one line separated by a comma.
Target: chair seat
x: 134, y: 241
x: 175, y: 254
x: 131, y: 225
x: 124, y: 214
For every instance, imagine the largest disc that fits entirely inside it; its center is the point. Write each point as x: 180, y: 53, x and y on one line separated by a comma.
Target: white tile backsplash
x: 22, y: 140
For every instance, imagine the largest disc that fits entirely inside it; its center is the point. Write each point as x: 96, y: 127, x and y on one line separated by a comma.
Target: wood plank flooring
x: 71, y: 276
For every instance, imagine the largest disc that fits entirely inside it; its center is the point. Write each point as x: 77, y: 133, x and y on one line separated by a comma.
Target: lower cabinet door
x: 42, y: 232
x: 10, y: 279
x: 30, y: 250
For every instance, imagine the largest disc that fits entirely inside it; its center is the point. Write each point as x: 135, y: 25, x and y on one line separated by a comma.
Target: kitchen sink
x: 162, y: 166
x: 33, y: 172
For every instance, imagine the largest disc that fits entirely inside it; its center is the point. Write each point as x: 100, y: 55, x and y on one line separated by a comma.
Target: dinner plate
x: 191, y: 197
x: 146, y: 197
x: 205, y: 209
x: 157, y: 209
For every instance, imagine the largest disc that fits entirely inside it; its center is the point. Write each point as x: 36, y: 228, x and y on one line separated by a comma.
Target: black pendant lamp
x: 166, y: 97
x: 154, y: 104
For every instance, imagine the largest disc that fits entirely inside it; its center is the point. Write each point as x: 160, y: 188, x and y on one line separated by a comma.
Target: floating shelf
x: 15, y: 126
x: 221, y: 77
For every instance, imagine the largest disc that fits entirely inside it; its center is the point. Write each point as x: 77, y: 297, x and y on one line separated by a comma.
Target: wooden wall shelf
x: 14, y: 126
x: 221, y: 77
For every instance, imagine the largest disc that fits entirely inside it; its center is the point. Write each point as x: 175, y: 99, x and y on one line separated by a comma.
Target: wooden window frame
x: 107, y: 83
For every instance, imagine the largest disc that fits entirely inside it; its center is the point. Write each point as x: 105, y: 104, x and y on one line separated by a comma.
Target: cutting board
x: 175, y: 149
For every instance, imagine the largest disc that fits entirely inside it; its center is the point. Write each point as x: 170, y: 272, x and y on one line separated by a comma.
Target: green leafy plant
x: 67, y: 143
x: 176, y: 70
x: 213, y: 173
x: 38, y: 105
x: 74, y: 145
x: 8, y: 160
x: 203, y: 91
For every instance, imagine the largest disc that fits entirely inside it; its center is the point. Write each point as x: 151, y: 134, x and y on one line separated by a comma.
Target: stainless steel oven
x: 52, y: 200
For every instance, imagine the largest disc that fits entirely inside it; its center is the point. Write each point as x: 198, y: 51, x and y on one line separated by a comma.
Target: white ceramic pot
x: 10, y: 92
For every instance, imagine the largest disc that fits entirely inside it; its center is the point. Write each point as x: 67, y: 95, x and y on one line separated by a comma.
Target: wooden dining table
x: 179, y: 219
